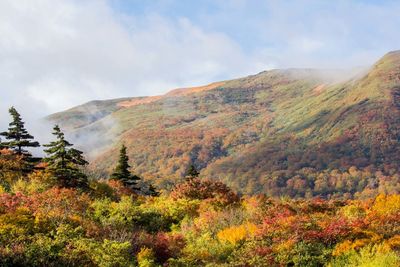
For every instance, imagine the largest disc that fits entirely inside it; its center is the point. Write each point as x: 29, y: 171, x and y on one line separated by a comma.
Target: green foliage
x: 64, y: 161
x: 42, y: 225
x: 146, y: 258
x: 152, y: 191
x: 100, y: 189
x: 122, y: 172
x: 305, y: 254
x: 18, y: 135
x: 369, y: 256
x: 111, y: 253
x: 115, y: 214
x: 191, y: 172
x: 19, y: 140
x: 206, y: 249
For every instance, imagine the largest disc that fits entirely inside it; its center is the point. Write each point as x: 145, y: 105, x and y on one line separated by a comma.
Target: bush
x: 215, y: 192
x: 146, y: 258
x: 369, y: 256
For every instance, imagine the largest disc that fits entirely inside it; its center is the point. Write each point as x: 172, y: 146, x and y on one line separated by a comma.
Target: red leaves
x: 212, y: 191
x: 333, y: 230
x: 9, y: 202
x: 310, y: 223
x: 168, y: 245
x: 164, y: 245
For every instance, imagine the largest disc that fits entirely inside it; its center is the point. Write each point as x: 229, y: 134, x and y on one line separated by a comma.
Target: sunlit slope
x: 243, y: 130
x: 86, y: 114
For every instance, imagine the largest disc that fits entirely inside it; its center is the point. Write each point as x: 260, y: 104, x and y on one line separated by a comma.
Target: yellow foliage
x: 352, y: 211
x: 251, y: 204
x: 342, y: 248
x: 385, y: 205
x: 235, y: 234
x: 285, y: 246
x: 15, y: 224
x: 146, y: 257
x: 347, y: 245
x: 394, y: 242
x: 36, y: 182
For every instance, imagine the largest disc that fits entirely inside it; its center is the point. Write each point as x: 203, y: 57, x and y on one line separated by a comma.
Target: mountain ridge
x: 242, y: 130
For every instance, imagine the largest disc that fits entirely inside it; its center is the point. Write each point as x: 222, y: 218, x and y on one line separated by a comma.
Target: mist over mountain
x: 254, y: 133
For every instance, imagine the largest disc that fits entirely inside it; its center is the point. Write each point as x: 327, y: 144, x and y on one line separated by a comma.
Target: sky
x: 55, y: 54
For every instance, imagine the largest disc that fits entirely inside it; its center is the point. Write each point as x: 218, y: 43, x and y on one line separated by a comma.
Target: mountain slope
x: 249, y: 130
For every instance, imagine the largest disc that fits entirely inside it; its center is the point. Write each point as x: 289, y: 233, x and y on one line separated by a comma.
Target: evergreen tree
x: 19, y: 139
x: 152, y: 191
x: 122, y: 172
x: 191, y: 172
x: 64, y: 161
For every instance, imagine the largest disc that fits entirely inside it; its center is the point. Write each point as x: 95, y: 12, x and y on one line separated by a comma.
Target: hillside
x: 254, y: 133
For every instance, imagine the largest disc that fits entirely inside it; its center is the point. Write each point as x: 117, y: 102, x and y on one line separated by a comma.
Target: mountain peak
x: 387, y: 69
x: 389, y: 59
x: 393, y: 53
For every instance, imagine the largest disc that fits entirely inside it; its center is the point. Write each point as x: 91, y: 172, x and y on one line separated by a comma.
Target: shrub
x: 145, y: 258
x: 213, y: 191
x: 235, y: 234
x: 368, y: 256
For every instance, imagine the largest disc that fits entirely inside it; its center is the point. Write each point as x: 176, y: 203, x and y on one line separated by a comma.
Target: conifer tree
x: 122, y: 172
x: 19, y: 139
x: 153, y: 191
x: 191, y: 172
x: 64, y: 161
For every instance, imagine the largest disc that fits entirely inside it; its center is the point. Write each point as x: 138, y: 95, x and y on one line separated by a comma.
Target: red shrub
x: 216, y: 192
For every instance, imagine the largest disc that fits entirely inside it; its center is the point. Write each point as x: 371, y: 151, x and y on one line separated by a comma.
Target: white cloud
x: 57, y: 54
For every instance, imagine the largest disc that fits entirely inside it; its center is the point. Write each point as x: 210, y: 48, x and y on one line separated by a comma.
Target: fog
x: 55, y: 55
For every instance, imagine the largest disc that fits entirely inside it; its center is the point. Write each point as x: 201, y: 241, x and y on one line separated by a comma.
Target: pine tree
x: 64, y: 161
x: 152, y: 191
x: 122, y: 172
x: 19, y: 139
x: 191, y: 172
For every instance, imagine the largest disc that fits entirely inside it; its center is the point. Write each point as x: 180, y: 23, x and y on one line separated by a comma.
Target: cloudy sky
x: 55, y: 54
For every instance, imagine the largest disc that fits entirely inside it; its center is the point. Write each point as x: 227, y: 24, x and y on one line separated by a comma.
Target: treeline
x: 62, y: 161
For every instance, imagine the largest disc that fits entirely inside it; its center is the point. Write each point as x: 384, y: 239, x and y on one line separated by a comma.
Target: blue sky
x: 332, y: 32
x: 58, y: 54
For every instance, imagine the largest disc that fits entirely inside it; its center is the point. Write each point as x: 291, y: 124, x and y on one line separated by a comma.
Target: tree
x: 152, y: 191
x: 19, y: 139
x: 122, y: 172
x: 191, y: 172
x: 64, y: 161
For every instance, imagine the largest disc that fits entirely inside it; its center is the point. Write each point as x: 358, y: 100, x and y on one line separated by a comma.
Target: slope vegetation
x: 255, y: 133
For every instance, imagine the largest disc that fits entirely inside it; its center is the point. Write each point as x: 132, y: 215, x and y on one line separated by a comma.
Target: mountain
x: 255, y: 133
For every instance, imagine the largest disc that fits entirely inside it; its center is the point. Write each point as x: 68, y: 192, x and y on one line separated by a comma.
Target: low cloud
x: 58, y: 54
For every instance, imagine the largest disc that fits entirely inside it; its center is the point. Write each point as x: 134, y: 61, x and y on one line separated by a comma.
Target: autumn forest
x: 55, y: 212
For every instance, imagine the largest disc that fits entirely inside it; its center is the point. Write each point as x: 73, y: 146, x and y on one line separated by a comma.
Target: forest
x: 53, y: 212
x: 284, y: 132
